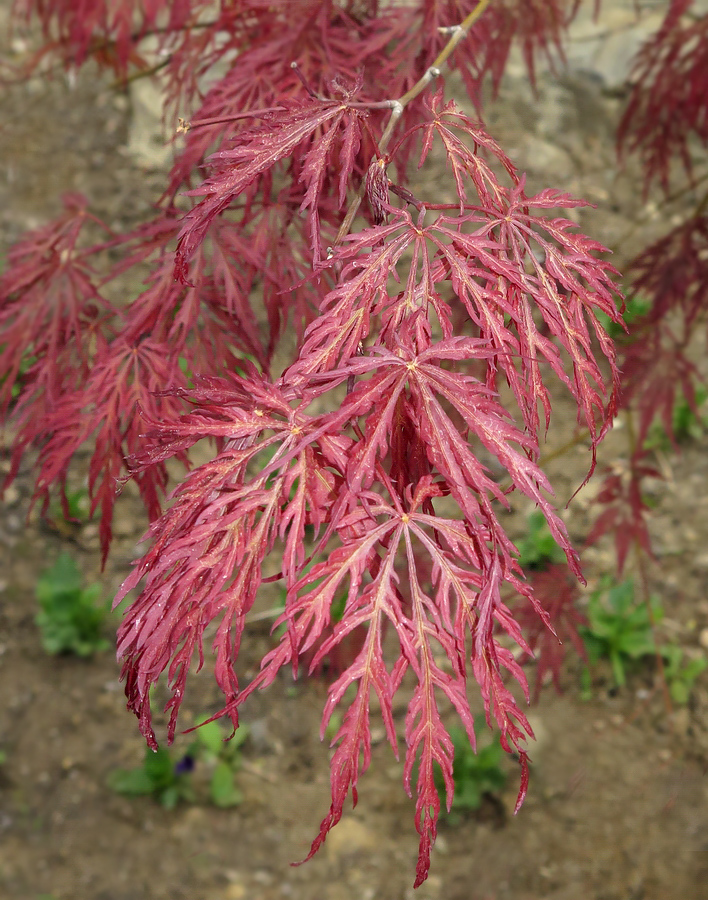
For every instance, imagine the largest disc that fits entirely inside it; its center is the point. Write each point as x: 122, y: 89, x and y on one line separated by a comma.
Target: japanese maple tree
x: 428, y: 323
x: 665, y: 126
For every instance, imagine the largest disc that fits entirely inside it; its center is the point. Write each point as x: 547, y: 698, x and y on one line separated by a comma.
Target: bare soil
x: 618, y: 803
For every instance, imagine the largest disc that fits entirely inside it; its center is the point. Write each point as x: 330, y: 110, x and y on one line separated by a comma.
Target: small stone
x: 541, y: 736
x: 11, y: 495
x: 429, y: 890
x: 681, y: 721
x: 378, y: 734
x: 13, y: 523
x: 441, y: 845
x: 124, y: 525
x: 190, y: 822
x: 703, y: 638
x: 349, y: 837
x: 260, y: 735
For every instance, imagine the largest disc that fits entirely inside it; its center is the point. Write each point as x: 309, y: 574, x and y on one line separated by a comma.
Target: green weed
x: 225, y: 757
x: 71, y: 617
x: 160, y: 776
x: 619, y: 628
x: 637, y: 307
x: 169, y: 779
x: 77, y: 507
x: 474, y: 774
x: 681, y: 676
x: 538, y: 549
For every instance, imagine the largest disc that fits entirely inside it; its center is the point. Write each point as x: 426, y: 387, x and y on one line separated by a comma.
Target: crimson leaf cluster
x: 427, y: 337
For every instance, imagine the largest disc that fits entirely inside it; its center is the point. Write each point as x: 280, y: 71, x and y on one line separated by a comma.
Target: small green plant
x: 538, y: 549
x: 225, y: 757
x: 77, y: 507
x: 636, y: 308
x: 160, y: 776
x: 71, y: 617
x: 169, y: 780
x: 474, y: 774
x: 26, y: 363
x: 619, y: 628
x: 681, y: 676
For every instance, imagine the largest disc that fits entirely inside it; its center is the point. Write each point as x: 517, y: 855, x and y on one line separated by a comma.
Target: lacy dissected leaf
x: 169, y: 333
x: 624, y: 510
x: 668, y: 105
x: 125, y: 383
x: 346, y: 310
x: 208, y: 547
x: 257, y: 46
x: 458, y: 613
x: 323, y: 128
x: 568, y: 284
x: 503, y: 269
x: 244, y: 264
x: 208, y: 550
x: 558, y: 595
x: 363, y: 289
x: 657, y: 356
x: 389, y: 48
x: 55, y: 325
x: 109, y: 32
x: 50, y: 311
x: 457, y: 131
x: 489, y: 423
x: 656, y: 372
x: 538, y: 26
x: 433, y: 391
x: 672, y: 273
x: 419, y: 32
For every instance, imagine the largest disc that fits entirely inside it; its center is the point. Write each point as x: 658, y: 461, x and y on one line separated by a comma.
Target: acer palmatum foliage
x: 365, y: 463
x: 559, y: 593
x: 666, y: 125
x: 667, y: 106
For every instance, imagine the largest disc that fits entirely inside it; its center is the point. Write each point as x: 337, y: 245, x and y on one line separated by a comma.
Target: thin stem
x: 303, y: 81
x: 265, y: 615
x: 99, y: 46
x: 123, y: 82
x: 458, y: 32
x: 581, y: 436
x: 185, y: 126
x: 545, y: 458
x: 702, y: 205
x: 640, y: 560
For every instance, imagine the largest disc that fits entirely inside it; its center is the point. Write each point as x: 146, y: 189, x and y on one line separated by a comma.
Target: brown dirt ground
x: 618, y: 804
